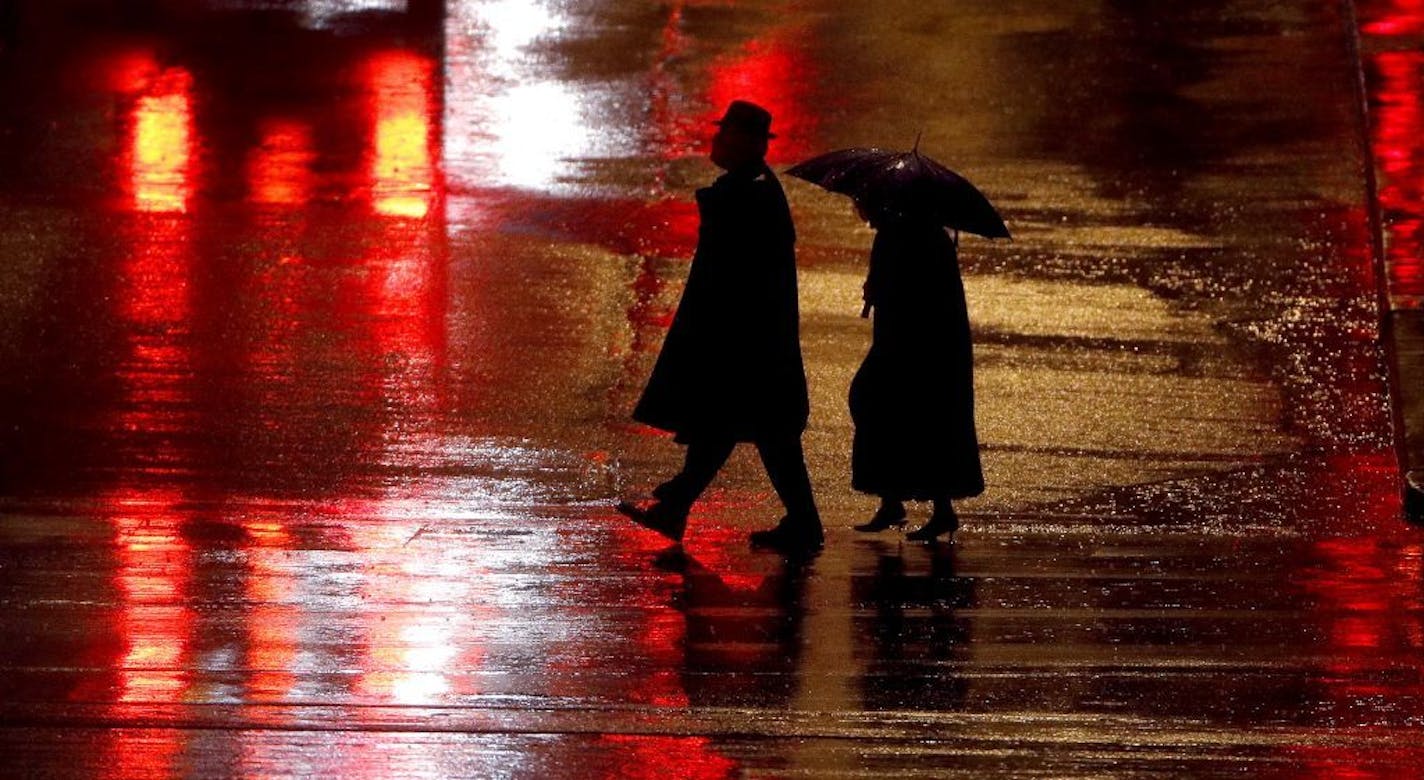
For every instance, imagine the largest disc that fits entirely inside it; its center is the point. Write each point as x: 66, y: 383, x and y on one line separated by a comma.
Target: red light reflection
x: 676, y: 136
x: 406, y: 297
x: 653, y: 758
x: 1352, y: 762
x: 155, y: 294
x: 1367, y: 594
x: 279, y: 169
x: 129, y: 72
x: 719, y: 550
x: 1403, y: 17
x: 152, y: 585
x: 153, y: 572
x: 402, y: 94
x: 770, y: 71
x: 400, y: 314
x: 154, y: 300
x: 663, y: 647
x: 273, y: 625
x: 160, y: 154
x: 416, y: 656
x: 1398, y: 96
x: 152, y: 579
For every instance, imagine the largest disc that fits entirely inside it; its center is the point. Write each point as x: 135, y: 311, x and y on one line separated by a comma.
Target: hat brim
x: 767, y: 134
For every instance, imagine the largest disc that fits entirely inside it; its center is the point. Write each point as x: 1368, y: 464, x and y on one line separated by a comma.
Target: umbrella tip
x: 916, y: 147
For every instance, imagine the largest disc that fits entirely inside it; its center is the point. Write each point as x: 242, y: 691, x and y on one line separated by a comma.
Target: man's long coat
x: 731, y: 364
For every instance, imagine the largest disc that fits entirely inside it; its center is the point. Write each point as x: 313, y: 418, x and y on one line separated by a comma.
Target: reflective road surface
x: 321, y: 321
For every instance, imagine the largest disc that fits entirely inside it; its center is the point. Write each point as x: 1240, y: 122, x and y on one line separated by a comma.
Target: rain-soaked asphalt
x: 319, y: 330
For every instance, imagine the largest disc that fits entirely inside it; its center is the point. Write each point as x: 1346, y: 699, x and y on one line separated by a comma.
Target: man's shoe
x: 658, y: 517
x: 674, y: 559
x: 791, y: 537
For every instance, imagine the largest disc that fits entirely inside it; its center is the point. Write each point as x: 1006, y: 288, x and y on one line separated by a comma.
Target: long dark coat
x: 913, y: 398
x: 731, y: 364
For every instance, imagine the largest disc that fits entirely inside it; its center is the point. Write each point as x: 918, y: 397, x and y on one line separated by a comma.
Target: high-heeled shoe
x: 884, y: 519
x: 939, y: 523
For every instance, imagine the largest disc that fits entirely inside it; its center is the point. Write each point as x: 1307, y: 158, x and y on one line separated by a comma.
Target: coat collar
x: 753, y: 171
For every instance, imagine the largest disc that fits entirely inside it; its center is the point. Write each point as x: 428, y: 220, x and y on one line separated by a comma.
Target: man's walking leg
x: 786, y: 466
x: 668, y: 515
x: 704, y: 458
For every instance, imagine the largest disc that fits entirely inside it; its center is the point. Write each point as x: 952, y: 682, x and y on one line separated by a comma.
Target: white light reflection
x: 430, y: 553
x: 420, y: 626
x: 318, y: 14
x: 510, y: 120
x: 511, y: 25
x: 541, y: 129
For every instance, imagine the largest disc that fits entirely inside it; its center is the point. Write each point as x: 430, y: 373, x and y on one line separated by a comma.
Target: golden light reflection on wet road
x: 316, y: 402
x: 162, y: 148
x: 402, y: 173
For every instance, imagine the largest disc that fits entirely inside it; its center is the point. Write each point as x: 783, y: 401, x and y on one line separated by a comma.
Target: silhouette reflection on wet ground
x: 319, y: 329
x: 914, y: 624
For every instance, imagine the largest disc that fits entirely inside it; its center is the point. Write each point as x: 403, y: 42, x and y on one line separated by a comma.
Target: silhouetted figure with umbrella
x: 730, y: 369
x: 912, y: 400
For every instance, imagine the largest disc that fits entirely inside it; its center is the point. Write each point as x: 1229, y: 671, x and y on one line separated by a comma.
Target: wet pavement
x: 320, y: 327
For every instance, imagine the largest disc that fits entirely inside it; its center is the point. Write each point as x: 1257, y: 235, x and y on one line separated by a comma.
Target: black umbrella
x: 891, y: 183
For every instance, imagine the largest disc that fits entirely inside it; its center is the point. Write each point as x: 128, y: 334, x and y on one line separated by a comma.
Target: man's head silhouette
x: 741, y: 136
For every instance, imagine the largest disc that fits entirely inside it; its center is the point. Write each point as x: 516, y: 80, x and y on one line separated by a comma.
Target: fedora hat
x: 747, y: 117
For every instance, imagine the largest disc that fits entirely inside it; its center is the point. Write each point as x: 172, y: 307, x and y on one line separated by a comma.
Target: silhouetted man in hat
x: 730, y: 369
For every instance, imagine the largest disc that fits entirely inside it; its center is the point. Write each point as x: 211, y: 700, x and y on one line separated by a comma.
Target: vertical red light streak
x: 161, y: 148
x: 663, y: 645
x: 675, y: 132
x: 1398, y: 95
x: 413, y: 654
x: 402, y: 95
x: 155, y: 295
x: 273, y: 640
x: 152, y: 581
x: 406, y: 294
x: 406, y: 301
x: 156, y: 373
x: 152, y: 574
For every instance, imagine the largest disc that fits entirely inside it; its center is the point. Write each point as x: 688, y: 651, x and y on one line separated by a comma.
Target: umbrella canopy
x: 902, y: 183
